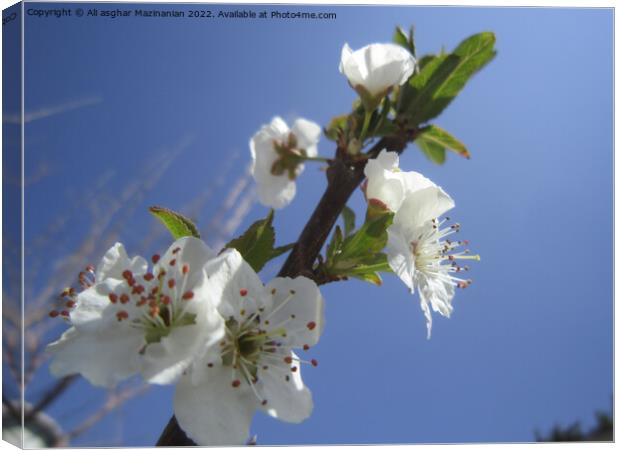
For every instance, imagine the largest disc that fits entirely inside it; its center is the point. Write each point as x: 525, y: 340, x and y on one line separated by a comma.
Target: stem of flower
x: 316, y: 158
x: 367, y: 116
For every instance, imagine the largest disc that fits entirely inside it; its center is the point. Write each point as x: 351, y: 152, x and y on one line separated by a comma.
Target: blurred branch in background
x: 603, y: 431
x: 56, y: 255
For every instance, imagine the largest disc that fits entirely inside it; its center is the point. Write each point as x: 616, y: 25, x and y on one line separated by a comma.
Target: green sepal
x: 362, y: 246
x: 178, y: 225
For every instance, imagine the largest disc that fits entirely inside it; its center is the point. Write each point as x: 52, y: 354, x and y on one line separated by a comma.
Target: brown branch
x: 344, y: 175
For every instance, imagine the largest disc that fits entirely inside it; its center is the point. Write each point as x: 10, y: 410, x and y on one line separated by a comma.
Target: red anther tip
x: 314, y: 362
x: 311, y: 325
x: 172, y: 262
x: 176, y: 250
x: 155, y: 258
x: 53, y: 313
x: 236, y: 383
x: 306, y: 347
x: 188, y: 295
x: 113, y: 297
x: 185, y: 269
x: 171, y: 283
x: 264, y: 402
x: 124, y: 298
x: 70, y: 304
x: 127, y: 274
x: 243, y: 292
x: 288, y: 359
x: 64, y: 313
x: 294, y: 369
x: 121, y: 315
x: 148, y: 276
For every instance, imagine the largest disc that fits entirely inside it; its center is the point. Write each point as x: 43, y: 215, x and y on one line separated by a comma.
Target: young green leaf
x: 348, y: 216
x: 368, y: 240
x: 400, y: 37
x: 433, y: 137
x: 178, y: 225
x: 404, y: 40
x: 444, y: 77
x: 256, y: 244
x: 432, y: 150
x: 370, y: 277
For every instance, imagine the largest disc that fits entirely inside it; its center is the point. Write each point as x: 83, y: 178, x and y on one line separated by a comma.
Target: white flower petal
x: 213, y: 412
x: 115, y: 261
x: 290, y: 401
x: 399, y: 256
x: 421, y: 206
x: 103, y: 358
x: 377, y: 67
x: 277, y: 192
x: 385, y: 180
x: 436, y: 293
x: 308, y: 134
x: 299, y: 304
x: 93, y: 311
x: 236, y: 284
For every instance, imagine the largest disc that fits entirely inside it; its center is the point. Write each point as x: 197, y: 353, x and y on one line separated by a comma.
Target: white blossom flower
x: 277, y: 158
x: 387, y: 185
x: 376, y: 68
x: 419, y: 254
x: 130, y: 320
x: 253, y: 366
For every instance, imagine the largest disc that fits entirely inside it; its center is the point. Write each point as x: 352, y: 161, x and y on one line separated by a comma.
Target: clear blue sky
x: 530, y: 342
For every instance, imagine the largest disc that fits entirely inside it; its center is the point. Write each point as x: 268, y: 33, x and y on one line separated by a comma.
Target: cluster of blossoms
x: 203, y: 321
x: 206, y: 322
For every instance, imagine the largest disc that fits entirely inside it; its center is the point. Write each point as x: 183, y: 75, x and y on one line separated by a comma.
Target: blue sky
x: 530, y: 342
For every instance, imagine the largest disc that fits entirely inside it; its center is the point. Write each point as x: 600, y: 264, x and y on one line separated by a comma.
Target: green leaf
x: 424, y: 60
x: 433, y: 137
x: 445, y: 76
x: 404, y: 40
x: 432, y: 150
x: 375, y: 263
x: 348, y: 216
x: 282, y: 249
x: 411, y: 91
x: 370, y: 277
x: 366, y: 242
x: 400, y: 37
x: 256, y: 244
x: 178, y: 225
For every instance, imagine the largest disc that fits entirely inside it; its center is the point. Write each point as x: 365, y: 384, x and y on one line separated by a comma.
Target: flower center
x: 289, y: 157
x: 429, y: 251
x: 152, y: 303
x: 253, y: 345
